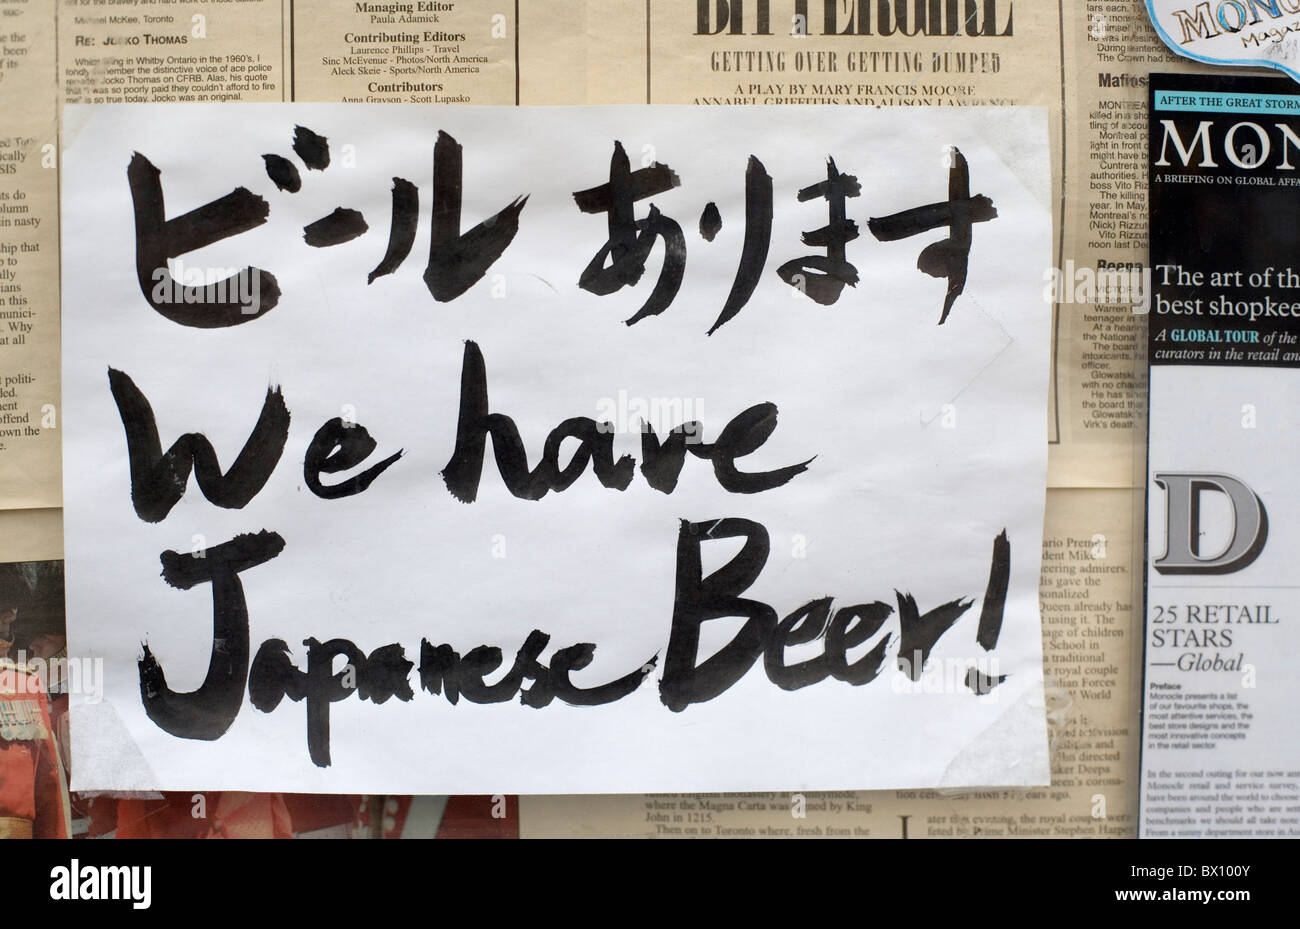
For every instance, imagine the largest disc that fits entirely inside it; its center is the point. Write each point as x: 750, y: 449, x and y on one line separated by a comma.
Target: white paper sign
x: 377, y: 513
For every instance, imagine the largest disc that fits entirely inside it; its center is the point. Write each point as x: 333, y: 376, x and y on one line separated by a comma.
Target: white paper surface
x: 926, y: 441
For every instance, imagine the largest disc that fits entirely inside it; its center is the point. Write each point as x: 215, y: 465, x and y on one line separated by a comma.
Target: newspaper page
x: 29, y: 261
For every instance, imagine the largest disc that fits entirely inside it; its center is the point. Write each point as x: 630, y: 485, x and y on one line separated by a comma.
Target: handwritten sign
x: 424, y: 450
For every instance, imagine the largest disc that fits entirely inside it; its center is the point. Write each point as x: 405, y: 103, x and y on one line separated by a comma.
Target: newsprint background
x: 1086, y: 60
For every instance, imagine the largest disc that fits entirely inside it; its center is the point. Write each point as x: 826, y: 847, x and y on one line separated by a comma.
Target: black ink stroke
x: 401, y: 234
x: 758, y: 237
x: 283, y: 172
x: 630, y: 240
x: 476, y: 423
x: 995, y: 595
x: 206, y: 713
x: 710, y: 222
x: 822, y: 277
x: 742, y: 436
x: 456, y: 261
x: 947, y: 258
x: 698, y: 599
x: 313, y: 149
x: 919, y: 632
x: 376, y: 677
x: 982, y: 683
x: 343, y: 225
x: 158, y: 480
x: 335, y: 447
x: 240, y: 298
